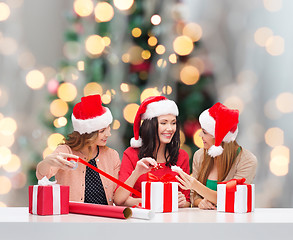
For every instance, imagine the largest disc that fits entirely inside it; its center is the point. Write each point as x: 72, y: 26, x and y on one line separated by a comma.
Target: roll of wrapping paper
x: 100, y: 210
x: 118, y: 182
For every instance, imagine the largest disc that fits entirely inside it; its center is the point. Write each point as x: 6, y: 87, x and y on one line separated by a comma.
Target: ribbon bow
x: 231, y: 184
x: 165, y: 178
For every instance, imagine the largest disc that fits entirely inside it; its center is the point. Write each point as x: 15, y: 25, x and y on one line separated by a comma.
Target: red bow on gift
x: 165, y: 178
x: 231, y: 188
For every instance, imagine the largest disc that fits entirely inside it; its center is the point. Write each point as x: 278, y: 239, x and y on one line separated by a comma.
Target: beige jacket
x: 244, y: 167
x: 108, y: 161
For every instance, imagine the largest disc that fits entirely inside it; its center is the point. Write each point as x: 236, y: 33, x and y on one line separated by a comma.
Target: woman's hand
x: 206, y: 204
x: 145, y: 165
x: 185, y: 181
x: 60, y: 160
x: 182, y: 200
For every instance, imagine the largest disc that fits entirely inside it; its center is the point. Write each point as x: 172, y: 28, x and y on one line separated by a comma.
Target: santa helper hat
x: 151, y: 107
x: 89, y: 115
x: 221, y: 122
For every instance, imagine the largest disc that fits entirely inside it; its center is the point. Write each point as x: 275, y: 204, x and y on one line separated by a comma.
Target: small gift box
x: 235, y: 196
x: 48, y: 198
x: 160, y: 194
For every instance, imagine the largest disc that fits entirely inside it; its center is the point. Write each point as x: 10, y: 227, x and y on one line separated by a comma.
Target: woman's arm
x: 53, y: 162
x: 188, y: 182
x: 122, y: 196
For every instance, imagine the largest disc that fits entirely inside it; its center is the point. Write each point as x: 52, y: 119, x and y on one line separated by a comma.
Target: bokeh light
x: 54, y: 140
x: 136, y: 32
x: 156, y: 19
x: 262, y: 35
x: 8, y: 126
x: 160, y: 49
x: 197, y: 139
x: 104, y: 12
x: 273, y: 5
x: 183, y: 45
x: 58, y: 108
x: 189, y: 75
x: 275, y: 45
x: 4, y: 11
x: 152, y: 41
x: 173, y: 58
x: 274, y: 137
x: 129, y: 112
x: 106, y: 98
x: 145, y: 54
x: 182, y: 137
x: 234, y: 102
x: 167, y: 90
x: 94, y: 45
x: 123, y: 4
x: 35, y: 79
x: 135, y: 53
x: 80, y: 65
x: 92, y: 88
x: 107, y: 40
x: 148, y: 92
x: 5, y: 155
x: 6, y: 140
x: 13, y: 165
x: 47, y: 151
x: 67, y: 92
x: 5, y: 185
x: 124, y: 87
x: 83, y: 8
x: 116, y: 124
x: 284, y: 102
x: 193, y: 30
x: 161, y: 63
x: 279, y: 166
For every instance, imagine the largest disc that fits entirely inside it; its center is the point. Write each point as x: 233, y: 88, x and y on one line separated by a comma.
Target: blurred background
x: 195, y: 52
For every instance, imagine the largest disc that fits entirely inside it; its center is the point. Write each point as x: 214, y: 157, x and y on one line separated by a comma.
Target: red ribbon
x: 166, y: 179
x: 231, y: 188
x: 118, y: 182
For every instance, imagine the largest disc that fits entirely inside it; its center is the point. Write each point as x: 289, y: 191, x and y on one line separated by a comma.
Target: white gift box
x: 155, y: 197
x: 240, y: 201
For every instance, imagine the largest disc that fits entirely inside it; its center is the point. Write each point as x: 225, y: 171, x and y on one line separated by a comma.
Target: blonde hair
x: 77, y: 141
x: 224, y: 162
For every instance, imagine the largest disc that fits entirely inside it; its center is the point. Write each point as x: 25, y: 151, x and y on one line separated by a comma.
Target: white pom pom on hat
x: 221, y: 122
x: 89, y: 115
x: 151, y: 107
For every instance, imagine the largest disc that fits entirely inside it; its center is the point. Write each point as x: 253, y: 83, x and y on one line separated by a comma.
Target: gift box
x: 235, y: 196
x: 48, y: 199
x: 160, y: 194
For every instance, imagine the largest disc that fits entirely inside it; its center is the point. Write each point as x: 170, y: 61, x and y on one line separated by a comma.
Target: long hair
x: 224, y: 162
x: 77, y: 141
x: 149, y: 134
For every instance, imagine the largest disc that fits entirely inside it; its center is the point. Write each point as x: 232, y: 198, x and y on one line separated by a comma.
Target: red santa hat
x: 221, y: 122
x: 89, y: 115
x: 151, y: 107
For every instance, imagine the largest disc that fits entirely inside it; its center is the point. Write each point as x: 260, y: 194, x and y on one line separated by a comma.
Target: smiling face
x: 103, y: 135
x: 208, y: 139
x: 166, y: 128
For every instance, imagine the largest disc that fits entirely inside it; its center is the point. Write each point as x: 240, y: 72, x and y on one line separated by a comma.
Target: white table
x: 192, y: 223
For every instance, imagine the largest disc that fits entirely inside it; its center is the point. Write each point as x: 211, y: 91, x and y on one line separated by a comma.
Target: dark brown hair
x: 149, y: 134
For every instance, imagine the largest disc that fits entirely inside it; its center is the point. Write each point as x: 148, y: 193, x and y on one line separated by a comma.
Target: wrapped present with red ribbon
x: 235, y: 196
x: 48, y: 198
x: 160, y: 194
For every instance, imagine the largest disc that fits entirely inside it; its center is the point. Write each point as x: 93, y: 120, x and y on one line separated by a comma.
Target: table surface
x: 185, y: 215
x: 263, y: 223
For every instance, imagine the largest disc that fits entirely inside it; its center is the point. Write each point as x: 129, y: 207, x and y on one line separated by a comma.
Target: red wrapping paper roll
x: 100, y: 210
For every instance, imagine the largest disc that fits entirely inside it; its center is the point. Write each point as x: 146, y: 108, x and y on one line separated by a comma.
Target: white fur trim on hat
x: 208, y: 123
x: 93, y: 124
x: 136, y: 143
x: 215, y: 151
x: 160, y: 108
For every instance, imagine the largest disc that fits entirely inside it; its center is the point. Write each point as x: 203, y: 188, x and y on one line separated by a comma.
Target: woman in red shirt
x: 154, y: 148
